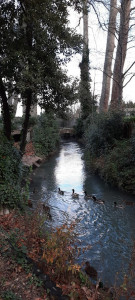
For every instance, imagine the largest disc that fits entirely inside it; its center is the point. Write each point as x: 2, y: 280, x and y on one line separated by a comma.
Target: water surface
x: 110, y: 231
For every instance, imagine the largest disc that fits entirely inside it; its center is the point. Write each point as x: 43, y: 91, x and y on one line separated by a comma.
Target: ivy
x: 45, y: 134
x: 11, y: 175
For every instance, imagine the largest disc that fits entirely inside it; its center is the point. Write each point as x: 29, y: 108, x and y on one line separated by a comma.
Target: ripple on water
x: 108, y: 230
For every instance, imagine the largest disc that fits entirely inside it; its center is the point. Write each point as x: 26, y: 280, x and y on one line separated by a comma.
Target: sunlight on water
x: 108, y: 230
x: 69, y: 171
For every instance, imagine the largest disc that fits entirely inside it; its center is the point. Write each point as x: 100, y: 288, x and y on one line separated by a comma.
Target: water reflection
x: 109, y: 230
x: 69, y: 171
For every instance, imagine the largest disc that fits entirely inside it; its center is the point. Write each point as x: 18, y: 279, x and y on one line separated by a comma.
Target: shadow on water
x: 109, y: 230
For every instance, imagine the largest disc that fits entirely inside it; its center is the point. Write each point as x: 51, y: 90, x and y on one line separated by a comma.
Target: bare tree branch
x: 128, y: 69
x: 133, y: 8
x: 94, y: 8
x: 128, y: 81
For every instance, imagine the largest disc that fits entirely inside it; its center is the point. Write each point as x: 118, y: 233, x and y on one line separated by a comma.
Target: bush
x: 119, y: 166
x: 107, y: 150
x: 45, y: 134
x: 79, y: 128
x: 11, y: 175
x: 102, y: 131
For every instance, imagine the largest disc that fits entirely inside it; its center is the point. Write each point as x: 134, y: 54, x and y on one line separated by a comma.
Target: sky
x: 97, y: 47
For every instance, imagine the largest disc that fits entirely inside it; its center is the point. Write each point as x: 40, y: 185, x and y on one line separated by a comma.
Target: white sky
x: 97, y: 47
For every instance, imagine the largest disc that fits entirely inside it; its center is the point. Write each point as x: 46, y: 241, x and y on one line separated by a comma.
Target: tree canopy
x: 35, y: 41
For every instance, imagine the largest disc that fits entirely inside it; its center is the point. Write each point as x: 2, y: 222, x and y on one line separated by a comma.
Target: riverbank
x: 28, y: 272
x: 48, y: 251
x: 116, y: 167
x: 31, y: 159
x: 110, y: 149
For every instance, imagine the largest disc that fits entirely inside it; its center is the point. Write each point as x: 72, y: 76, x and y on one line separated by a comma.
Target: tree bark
x: 26, y: 121
x: 107, y: 72
x: 28, y: 91
x: 117, y: 88
x: 5, y: 111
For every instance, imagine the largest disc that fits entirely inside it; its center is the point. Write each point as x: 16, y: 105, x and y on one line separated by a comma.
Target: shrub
x: 45, y: 134
x: 102, y: 131
x: 79, y: 128
x: 11, y: 175
x: 119, y: 166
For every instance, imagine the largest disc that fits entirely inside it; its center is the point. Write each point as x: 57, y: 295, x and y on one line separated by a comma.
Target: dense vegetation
x: 45, y: 134
x: 13, y: 188
x: 34, y: 44
x: 110, y: 148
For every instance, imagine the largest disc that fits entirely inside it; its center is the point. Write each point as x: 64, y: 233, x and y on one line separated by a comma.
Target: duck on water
x: 74, y: 195
x: 60, y: 191
x: 99, y: 201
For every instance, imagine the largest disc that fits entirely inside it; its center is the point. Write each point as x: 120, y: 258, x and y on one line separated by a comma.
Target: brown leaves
x: 29, y: 149
x: 54, y: 256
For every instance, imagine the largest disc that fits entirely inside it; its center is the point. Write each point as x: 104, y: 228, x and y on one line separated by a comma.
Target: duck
x: 60, y: 192
x: 87, y: 196
x: 74, y: 195
x: 106, y: 289
x: 99, y: 201
x: 46, y: 209
x: 94, y: 198
x: 91, y: 271
x: 118, y: 206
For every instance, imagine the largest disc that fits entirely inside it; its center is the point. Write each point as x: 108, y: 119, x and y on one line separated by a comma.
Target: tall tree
x: 8, y: 60
x: 107, y: 72
x: 34, y: 43
x: 118, y: 78
x: 85, y: 93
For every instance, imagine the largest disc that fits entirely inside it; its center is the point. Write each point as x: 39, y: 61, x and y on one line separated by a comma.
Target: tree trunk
x: 33, y: 111
x: 117, y: 88
x: 107, y: 72
x: 28, y: 91
x: 5, y: 111
x: 13, y: 101
x: 85, y: 94
x: 26, y: 121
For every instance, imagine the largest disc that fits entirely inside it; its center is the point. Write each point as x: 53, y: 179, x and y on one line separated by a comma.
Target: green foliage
x: 79, y: 128
x: 45, y: 134
x: 35, y: 280
x: 85, y: 95
x: 9, y: 295
x: 18, y: 121
x: 1, y: 123
x: 84, y: 278
x: 129, y: 104
x: 129, y: 119
x: 31, y: 44
x: 119, y: 166
x: 35, y: 42
x: 102, y: 131
x: 107, y: 150
x: 11, y: 175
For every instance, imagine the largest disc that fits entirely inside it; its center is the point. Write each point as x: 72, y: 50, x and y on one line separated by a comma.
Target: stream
x: 109, y: 230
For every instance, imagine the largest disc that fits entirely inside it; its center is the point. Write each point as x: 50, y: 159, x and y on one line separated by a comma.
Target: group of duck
x: 86, y: 196
x: 95, y: 199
